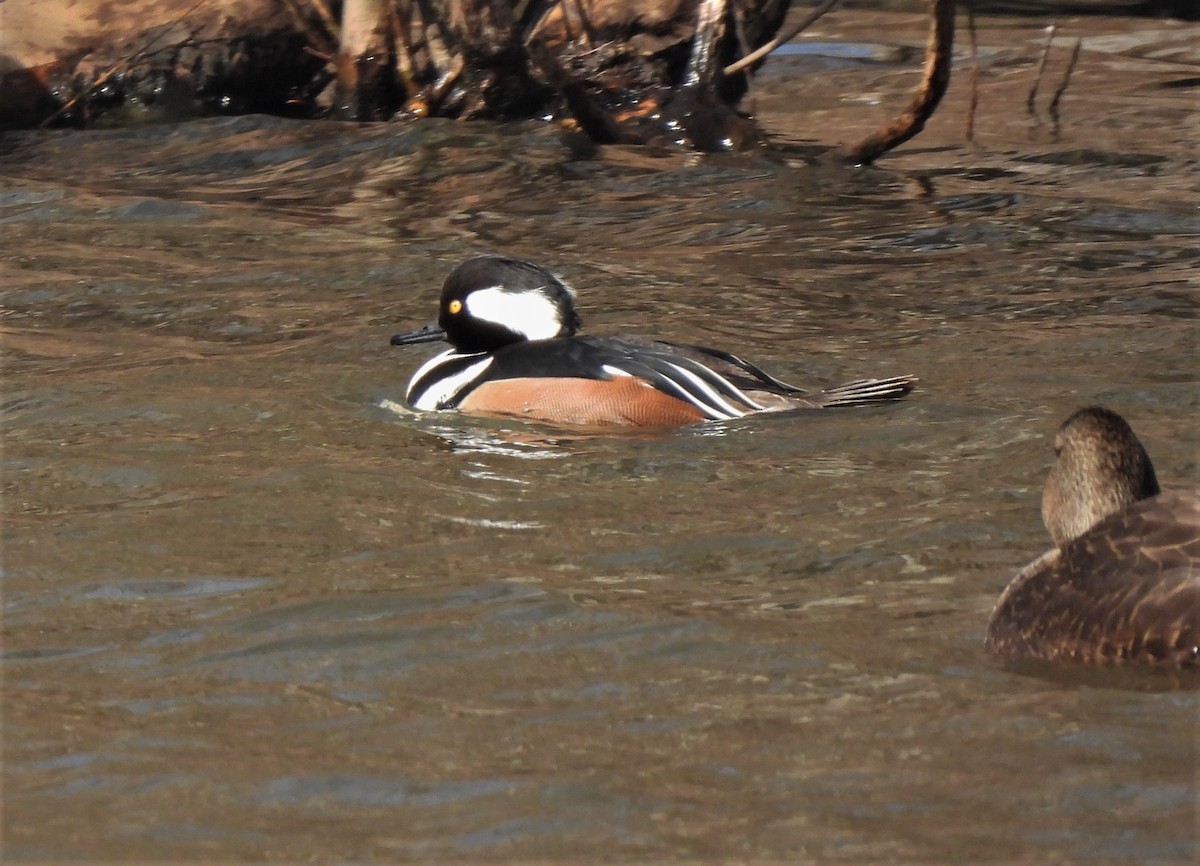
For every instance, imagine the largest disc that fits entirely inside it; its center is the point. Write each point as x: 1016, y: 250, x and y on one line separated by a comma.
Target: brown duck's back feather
x: 1125, y: 591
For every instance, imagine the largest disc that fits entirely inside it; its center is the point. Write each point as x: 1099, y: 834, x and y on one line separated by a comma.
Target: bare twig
x: 568, y: 32
x: 589, y: 35
x: 445, y: 34
x: 439, y: 91
x: 592, y: 118
x: 973, y: 105
x: 413, y: 29
x: 1037, y: 82
x: 331, y: 23
x: 765, y: 49
x: 320, y: 55
x: 120, y: 65
x: 739, y: 29
x: 324, y: 44
x: 1052, y: 110
x: 936, y: 78
x: 400, y: 25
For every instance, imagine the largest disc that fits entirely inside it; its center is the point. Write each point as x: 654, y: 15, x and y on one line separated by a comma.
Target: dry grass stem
x: 1052, y: 110
x: 1037, y: 81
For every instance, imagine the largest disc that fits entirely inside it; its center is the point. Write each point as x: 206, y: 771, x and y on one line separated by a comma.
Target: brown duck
x: 1122, y: 584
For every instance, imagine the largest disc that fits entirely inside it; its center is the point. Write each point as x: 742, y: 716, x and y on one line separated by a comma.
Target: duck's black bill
x: 428, y: 334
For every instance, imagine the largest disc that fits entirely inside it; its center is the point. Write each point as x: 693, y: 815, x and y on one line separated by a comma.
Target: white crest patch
x: 531, y: 314
x: 443, y: 390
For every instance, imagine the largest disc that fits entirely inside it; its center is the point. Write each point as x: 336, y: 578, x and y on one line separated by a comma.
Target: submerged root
x: 934, y: 81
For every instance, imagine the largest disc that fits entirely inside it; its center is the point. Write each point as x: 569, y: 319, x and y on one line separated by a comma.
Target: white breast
x: 442, y: 391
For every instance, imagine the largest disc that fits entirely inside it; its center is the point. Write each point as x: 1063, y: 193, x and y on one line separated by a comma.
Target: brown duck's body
x: 1123, y: 583
x: 1125, y: 591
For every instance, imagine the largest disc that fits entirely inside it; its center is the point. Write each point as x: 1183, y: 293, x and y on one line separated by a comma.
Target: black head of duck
x: 1122, y: 584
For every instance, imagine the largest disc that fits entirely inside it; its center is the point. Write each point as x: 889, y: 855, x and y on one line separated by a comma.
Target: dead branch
x: 934, y: 81
x: 359, y: 64
x: 710, y: 27
x: 739, y: 31
x: 764, y: 50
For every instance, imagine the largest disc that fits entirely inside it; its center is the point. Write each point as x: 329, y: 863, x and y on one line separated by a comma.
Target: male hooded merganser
x: 1123, y: 581
x: 512, y: 325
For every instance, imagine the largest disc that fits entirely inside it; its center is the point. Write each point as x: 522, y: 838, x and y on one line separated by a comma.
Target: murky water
x: 248, y: 613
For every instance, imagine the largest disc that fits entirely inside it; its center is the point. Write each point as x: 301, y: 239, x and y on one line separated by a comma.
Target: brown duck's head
x: 1101, y: 469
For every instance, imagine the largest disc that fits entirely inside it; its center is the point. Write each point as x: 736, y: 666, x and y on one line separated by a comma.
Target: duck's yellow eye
x: 454, y: 306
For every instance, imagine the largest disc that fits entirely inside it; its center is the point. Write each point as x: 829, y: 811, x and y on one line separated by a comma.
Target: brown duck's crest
x: 1124, y: 588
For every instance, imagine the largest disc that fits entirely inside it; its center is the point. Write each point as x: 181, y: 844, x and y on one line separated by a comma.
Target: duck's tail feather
x: 864, y: 391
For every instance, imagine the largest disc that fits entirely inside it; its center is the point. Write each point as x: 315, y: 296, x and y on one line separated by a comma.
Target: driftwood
x: 632, y: 71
